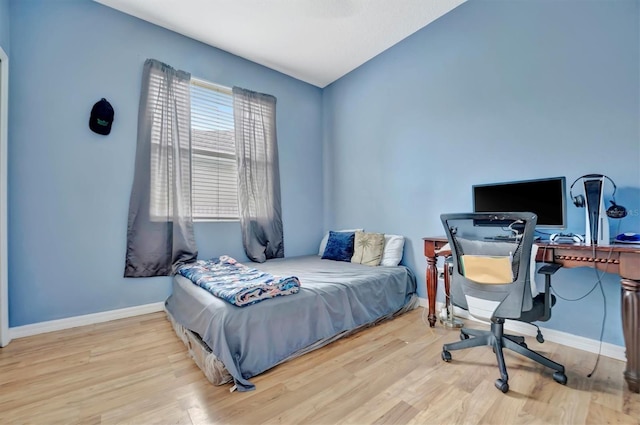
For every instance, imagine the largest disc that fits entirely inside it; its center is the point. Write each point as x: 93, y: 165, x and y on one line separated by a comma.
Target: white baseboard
x: 581, y: 343
x: 87, y: 319
x: 563, y: 338
x: 574, y: 341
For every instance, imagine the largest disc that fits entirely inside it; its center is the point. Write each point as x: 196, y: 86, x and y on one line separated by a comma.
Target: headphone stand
x: 596, y: 221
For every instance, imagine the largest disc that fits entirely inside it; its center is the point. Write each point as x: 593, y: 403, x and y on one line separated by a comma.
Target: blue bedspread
x: 336, y: 298
x: 236, y: 283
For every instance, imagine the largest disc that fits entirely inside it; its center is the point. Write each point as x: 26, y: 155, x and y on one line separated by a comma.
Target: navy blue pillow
x: 339, y: 246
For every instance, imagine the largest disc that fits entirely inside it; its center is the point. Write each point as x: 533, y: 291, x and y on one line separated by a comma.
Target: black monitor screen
x: 544, y: 197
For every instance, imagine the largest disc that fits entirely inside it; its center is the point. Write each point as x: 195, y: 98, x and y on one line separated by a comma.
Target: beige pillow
x: 368, y: 248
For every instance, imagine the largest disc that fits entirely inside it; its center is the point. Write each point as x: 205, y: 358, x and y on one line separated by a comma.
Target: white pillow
x: 393, y: 247
x: 323, y: 242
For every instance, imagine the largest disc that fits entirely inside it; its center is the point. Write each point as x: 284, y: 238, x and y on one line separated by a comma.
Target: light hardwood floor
x: 137, y: 371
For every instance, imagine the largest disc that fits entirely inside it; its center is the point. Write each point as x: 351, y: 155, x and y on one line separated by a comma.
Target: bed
x: 336, y: 298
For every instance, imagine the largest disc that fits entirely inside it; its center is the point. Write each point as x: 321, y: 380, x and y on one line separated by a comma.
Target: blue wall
x: 493, y: 91
x: 69, y: 188
x: 4, y: 25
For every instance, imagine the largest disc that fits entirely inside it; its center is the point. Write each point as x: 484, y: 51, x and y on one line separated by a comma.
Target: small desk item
x: 623, y: 260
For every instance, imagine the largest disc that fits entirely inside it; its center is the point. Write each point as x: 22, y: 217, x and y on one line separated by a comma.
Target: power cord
x: 516, y: 234
x: 604, y: 318
x: 598, y: 276
x: 598, y: 284
x: 575, y: 299
x: 604, y: 303
x: 448, y: 302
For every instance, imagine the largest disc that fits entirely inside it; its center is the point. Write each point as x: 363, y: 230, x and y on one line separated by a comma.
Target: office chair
x: 491, y: 279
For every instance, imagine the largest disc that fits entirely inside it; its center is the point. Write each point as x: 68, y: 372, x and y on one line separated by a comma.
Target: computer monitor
x: 544, y: 197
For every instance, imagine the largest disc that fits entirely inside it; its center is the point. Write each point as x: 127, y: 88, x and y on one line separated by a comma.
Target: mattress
x: 335, y: 299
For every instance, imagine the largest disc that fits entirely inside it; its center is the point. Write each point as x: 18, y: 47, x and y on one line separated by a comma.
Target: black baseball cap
x: 101, y: 117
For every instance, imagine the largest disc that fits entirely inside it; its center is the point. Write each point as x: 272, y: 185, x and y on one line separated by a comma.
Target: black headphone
x: 614, y: 211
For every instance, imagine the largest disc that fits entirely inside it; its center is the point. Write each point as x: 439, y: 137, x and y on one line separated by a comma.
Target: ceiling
x: 316, y: 41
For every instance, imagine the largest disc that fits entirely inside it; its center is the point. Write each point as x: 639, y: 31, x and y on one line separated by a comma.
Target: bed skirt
x: 216, y: 372
x: 201, y: 354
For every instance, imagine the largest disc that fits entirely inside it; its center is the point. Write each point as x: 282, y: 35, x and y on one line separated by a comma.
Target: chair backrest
x: 491, y: 258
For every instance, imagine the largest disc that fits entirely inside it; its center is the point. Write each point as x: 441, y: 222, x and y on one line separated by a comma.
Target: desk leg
x: 432, y: 286
x: 631, y: 328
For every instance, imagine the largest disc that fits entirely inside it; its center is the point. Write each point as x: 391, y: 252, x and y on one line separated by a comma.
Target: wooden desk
x: 623, y: 260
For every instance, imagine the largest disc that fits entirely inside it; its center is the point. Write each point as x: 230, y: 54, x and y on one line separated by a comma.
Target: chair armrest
x: 549, y: 269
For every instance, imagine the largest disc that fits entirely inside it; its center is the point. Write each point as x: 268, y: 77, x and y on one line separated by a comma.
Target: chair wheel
x: 446, y: 356
x: 463, y: 336
x: 502, y: 385
x: 560, y: 378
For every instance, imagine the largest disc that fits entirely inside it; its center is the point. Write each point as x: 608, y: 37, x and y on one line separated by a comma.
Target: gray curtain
x: 160, y: 228
x: 258, y: 174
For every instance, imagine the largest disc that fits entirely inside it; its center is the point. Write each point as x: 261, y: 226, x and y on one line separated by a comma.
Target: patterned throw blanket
x: 236, y: 283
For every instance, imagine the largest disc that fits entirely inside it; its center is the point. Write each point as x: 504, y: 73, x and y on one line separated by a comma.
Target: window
x: 214, y: 169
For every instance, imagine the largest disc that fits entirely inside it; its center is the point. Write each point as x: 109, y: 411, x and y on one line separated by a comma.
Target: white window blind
x: 214, y: 169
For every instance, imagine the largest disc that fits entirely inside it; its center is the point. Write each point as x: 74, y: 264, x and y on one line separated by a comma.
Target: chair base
x: 451, y: 323
x: 498, y: 340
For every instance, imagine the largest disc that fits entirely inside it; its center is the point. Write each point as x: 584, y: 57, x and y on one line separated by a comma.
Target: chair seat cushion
x: 537, y: 311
